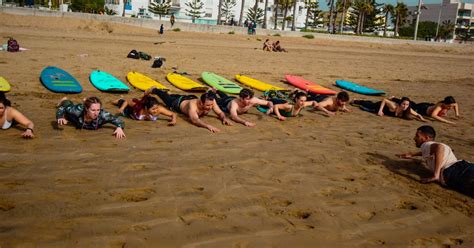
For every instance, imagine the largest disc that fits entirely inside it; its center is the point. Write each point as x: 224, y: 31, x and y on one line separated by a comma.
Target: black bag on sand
x: 144, y: 56
x: 158, y: 62
x: 133, y: 54
x: 13, y: 46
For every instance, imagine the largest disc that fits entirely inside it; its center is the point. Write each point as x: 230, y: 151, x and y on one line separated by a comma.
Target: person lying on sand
x: 193, y: 107
x: 88, y: 115
x: 267, y: 46
x: 389, y: 108
x: 146, y: 108
x: 331, y: 104
x: 286, y: 109
x: 236, y: 106
x: 435, y: 110
x: 9, y: 117
x: 277, y: 47
x: 447, y: 169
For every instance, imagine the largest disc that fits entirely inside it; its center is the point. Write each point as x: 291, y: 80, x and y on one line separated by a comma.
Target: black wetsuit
x: 223, y: 101
x: 75, y: 114
x: 373, y: 107
x: 460, y: 176
x: 173, y: 101
x: 316, y: 97
x: 421, y: 108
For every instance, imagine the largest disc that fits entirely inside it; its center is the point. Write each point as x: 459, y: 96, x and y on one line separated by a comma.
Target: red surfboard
x: 308, y: 85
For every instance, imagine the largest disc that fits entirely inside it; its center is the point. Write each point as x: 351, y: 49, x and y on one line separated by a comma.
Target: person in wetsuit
x: 437, y: 110
x: 147, y: 108
x: 9, y: 117
x: 193, y: 107
x: 88, y: 115
x: 236, y: 106
x: 388, y: 107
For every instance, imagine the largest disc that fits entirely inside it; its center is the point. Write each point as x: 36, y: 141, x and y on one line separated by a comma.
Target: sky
x: 323, y: 5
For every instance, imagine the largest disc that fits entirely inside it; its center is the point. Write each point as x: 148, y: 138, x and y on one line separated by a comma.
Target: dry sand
x: 308, y: 181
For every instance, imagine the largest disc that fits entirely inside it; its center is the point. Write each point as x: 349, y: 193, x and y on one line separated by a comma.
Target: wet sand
x: 306, y: 182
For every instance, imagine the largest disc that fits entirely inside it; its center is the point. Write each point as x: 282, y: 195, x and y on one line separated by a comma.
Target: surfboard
x: 143, y: 82
x: 221, y: 83
x: 256, y: 84
x: 358, y: 88
x: 4, y: 85
x: 184, y: 83
x: 308, y: 85
x: 60, y: 81
x: 106, y: 82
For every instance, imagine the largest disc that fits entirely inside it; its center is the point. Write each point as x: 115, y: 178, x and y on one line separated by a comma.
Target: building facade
x: 454, y: 11
x: 139, y: 8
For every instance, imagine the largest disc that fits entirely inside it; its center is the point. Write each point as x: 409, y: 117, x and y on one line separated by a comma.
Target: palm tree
x: 345, y: 5
x: 124, y: 3
x: 366, y: 8
x: 447, y: 29
x: 219, y: 13
x: 276, y: 13
x: 401, y: 13
x: 293, y: 26
x: 264, y: 25
x: 285, y: 5
x: 331, y: 10
x: 387, y: 9
x: 241, y: 12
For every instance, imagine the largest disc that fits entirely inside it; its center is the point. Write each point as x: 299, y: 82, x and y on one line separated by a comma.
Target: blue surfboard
x: 60, y: 81
x: 106, y: 82
x: 358, y: 88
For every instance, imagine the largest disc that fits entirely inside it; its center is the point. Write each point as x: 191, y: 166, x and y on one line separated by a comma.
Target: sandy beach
x: 305, y: 182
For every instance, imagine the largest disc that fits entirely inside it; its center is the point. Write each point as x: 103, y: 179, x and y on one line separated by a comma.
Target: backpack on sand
x: 13, y: 45
x: 133, y: 54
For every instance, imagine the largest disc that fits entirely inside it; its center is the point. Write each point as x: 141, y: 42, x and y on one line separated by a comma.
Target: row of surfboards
x: 58, y: 80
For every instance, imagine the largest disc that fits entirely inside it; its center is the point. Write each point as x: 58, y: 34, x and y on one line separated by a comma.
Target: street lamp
x: 417, y: 19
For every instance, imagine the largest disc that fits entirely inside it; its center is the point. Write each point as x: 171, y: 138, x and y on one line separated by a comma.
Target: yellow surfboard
x: 4, y: 85
x: 257, y: 84
x: 143, y: 82
x: 184, y: 83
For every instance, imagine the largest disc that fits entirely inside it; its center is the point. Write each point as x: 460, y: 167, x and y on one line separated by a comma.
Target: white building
x: 139, y: 8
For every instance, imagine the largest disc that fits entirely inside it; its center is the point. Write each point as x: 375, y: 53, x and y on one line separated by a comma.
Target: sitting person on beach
x: 145, y: 109
x: 286, y: 109
x: 436, y: 110
x: 88, y: 115
x: 193, y: 107
x: 267, y: 46
x: 330, y: 104
x: 389, y: 108
x: 236, y: 106
x: 277, y: 47
x: 9, y: 117
x: 447, y: 169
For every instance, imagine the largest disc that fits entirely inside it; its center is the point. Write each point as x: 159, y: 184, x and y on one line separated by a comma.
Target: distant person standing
x: 254, y: 28
x: 162, y: 29
x: 172, y: 20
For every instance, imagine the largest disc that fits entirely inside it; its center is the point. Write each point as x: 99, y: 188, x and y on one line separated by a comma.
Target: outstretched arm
x: 417, y: 116
x: 20, y: 118
x: 165, y: 111
x: 262, y: 102
x: 435, y: 113
x: 195, y: 120
x: 322, y: 106
x: 220, y: 114
x: 409, y: 155
x: 278, y: 107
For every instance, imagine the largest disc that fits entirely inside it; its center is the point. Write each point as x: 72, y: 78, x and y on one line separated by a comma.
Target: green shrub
x: 231, y: 32
x: 308, y: 36
x: 276, y: 34
x: 176, y: 29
